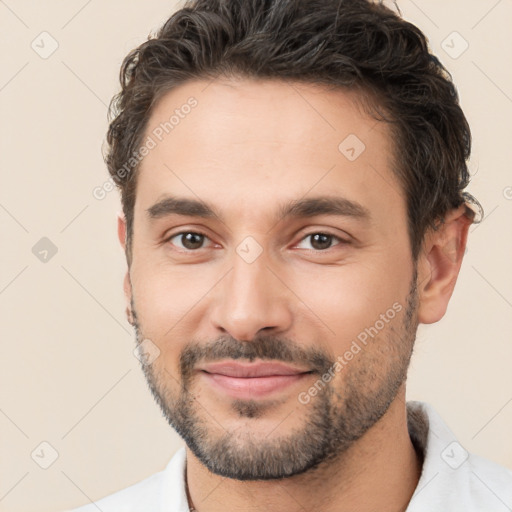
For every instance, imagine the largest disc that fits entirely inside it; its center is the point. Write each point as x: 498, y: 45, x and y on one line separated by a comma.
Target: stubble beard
x: 331, y: 422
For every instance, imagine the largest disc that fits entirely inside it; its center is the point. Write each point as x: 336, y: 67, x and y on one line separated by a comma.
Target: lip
x: 245, y: 370
x: 251, y: 380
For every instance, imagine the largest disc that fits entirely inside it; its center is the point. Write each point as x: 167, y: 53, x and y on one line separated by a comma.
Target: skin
x: 246, y: 148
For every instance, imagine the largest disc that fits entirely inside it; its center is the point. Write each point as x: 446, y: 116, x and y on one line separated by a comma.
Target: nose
x: 250, y: 299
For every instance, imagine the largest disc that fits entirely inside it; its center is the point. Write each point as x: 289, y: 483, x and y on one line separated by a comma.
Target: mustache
x: 263, y: 347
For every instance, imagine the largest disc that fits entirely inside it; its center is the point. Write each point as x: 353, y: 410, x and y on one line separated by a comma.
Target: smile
x: 252, y: 381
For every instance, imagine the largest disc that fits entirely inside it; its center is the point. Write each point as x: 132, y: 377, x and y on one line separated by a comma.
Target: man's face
x: 291, y: 248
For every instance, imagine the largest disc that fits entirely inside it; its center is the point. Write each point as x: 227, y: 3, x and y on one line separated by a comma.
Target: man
x: 292, y: 176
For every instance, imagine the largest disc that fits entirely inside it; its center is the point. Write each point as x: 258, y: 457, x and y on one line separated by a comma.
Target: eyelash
x: 340, y: 240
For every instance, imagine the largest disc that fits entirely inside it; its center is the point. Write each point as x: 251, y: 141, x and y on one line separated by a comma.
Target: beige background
x: 68, y: 375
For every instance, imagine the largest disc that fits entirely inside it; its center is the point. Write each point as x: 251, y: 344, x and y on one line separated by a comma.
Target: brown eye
x: 320, y: 241
x: 188, y: 240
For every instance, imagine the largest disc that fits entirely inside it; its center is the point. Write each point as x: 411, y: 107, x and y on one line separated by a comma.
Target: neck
x: 380, y: 471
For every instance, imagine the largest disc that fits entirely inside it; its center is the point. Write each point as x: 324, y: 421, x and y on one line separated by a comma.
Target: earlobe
x: 439, y: 264
x: 127, y: 286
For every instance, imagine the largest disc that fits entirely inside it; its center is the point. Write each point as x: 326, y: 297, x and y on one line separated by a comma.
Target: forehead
x: 256, y: 144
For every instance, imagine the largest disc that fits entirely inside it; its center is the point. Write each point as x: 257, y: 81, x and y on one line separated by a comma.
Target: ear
x: 121, y: 229
x: 439, y: 264
x: 127, y: 285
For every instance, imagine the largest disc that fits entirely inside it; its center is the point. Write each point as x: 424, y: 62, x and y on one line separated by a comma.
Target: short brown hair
x: 355, y: 44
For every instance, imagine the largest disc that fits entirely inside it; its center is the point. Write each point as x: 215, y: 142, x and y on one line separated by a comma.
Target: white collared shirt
x: 452, y: 480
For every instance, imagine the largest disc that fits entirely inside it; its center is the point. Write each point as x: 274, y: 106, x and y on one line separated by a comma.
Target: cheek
x: 167, y: 298
x: 346, y: 302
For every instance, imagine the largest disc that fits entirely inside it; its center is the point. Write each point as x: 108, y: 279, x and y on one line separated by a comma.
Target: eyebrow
x: 300, y: 208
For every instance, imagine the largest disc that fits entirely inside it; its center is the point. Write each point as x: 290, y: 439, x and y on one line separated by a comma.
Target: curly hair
x: 346, y: 44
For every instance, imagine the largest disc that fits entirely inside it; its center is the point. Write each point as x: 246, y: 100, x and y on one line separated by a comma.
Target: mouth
x: 252, y: 380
